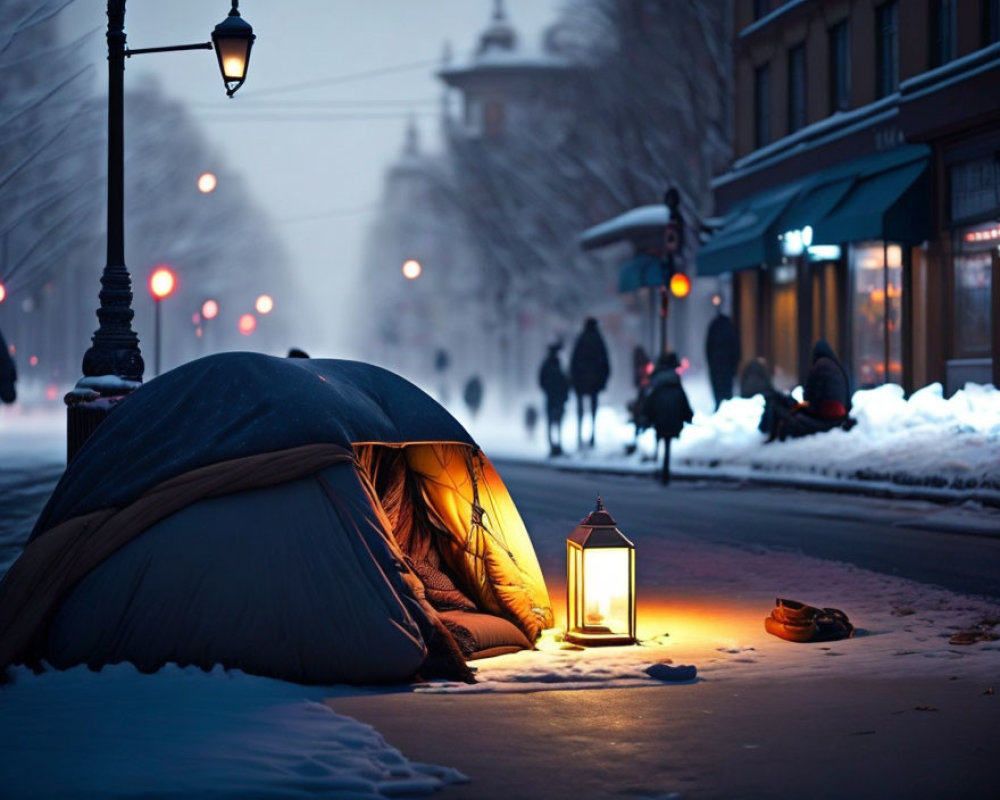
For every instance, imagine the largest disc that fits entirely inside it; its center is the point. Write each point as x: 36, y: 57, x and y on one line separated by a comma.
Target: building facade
x: 863, y: 204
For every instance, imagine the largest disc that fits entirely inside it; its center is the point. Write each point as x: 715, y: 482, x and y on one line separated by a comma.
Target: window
x: 760, y: 8
x: 991, y: 22
x: 840, y: 68
x: 942, y: 32
x: 762, y: 105
x: 973, y: 289
x: 877, y: 293
x: 796, y: 88
x: 886, y: 49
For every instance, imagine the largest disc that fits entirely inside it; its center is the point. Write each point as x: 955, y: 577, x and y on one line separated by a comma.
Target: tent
x: 318, y: 521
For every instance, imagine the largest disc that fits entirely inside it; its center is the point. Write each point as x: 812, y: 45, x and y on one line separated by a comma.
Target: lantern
x: 233, y: 38
x: 600, y: 582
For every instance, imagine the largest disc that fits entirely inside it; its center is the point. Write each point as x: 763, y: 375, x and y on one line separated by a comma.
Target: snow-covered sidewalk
x: 925, y: 446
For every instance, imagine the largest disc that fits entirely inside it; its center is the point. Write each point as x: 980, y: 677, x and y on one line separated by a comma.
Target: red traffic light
x: 680, y: 285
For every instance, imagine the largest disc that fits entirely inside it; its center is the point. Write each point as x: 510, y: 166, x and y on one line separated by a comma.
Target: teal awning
x: 748, y: 236
x: 893, y: 206
x: 883, y: 197
x: 640, y: 271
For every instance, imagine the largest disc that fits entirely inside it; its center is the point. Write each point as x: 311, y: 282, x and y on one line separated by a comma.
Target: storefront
x: 832, y: 254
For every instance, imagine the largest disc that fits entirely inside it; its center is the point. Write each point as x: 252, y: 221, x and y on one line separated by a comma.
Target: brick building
x: 863, y: 204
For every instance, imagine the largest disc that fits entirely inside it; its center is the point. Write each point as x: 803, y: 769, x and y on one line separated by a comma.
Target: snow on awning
x: 640, y: 221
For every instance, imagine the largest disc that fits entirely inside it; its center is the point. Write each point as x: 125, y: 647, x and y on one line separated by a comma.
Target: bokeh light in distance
x: 162, y: 282
x: 264, y: 304
x: 209, y: 309
x: 247, y: 324
x: 412, y: 269
x: 207, y: 182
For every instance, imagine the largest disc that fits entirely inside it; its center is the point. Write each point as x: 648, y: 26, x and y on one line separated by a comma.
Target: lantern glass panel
x: 606, y: 600
x: 233, y: 57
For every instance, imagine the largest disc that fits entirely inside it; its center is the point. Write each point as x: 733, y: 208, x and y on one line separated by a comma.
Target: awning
x: 893, y: 206
x: 748, y: 236
x: 640, y: 271
x: 884, y: 197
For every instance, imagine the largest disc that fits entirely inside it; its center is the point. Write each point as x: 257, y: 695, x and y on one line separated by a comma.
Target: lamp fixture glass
x: 233, y: 38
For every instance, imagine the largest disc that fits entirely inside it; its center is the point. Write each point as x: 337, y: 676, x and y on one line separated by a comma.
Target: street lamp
x: 412, y: 269
x: 161, y: 284
x: 247, y: 324
x: 113, y: 365
x: 264, y: 304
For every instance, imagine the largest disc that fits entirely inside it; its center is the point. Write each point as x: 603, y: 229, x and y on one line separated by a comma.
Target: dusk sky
x: 311, y: 137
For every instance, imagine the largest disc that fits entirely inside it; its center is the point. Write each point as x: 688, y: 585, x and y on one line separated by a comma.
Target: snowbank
x: 925, y: 445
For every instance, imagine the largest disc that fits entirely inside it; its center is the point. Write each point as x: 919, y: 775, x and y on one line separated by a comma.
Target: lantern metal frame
x: 597, y: 531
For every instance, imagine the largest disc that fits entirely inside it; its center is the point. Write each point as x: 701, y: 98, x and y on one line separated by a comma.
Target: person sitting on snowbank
x: 826, y: 399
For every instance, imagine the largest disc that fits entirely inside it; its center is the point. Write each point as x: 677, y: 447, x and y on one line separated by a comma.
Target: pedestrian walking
x: 666, y: 406
x: 589, y: 370
x: 722, y: 350
x: 555, y: 385
x: 8, y: 374
x: 473, y: 394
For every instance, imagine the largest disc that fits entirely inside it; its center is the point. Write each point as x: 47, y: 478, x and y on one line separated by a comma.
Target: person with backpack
x: 666, y: 406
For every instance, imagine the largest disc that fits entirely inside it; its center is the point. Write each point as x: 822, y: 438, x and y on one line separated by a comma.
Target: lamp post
x: 161, y: 284
x: 113, y: 365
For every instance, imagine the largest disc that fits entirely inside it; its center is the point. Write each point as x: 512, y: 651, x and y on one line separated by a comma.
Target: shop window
x: 746, y: 288
x: 886, y: 49
x: 825, y: 306
x: 840, y: 67
x: 876, y: 313
x: 796, y: 88
x: 784, y: 326
x: 973, y: 265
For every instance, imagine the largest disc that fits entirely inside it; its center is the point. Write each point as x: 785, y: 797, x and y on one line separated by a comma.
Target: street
x: 915, y: 540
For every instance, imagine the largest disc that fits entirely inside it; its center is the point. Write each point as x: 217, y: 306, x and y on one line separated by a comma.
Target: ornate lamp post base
x: 90, y: 401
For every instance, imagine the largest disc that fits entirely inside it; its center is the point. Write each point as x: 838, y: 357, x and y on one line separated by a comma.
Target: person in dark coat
x: 473, y: 394
x: 555, y: 385
x: 722, y: 350
x: 827, y: 389
x: 666, y: 406
x: 589, y: 370
x: 826, y: 399
x: 8, y: 374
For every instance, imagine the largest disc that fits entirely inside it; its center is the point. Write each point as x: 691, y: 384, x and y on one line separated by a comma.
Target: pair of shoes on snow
x: 797, y: 622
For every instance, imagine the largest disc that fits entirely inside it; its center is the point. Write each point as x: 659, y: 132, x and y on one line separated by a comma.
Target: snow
x: 184, y: 732
x: 653, y: 216
x: 924, y: 446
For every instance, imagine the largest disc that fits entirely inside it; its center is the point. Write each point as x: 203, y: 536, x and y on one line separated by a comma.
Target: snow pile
x: 186, y: 733
x: 924, y: 445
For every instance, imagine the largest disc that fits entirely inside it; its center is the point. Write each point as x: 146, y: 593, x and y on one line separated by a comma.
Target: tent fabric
x: 362, y: 626
x: 51, y: 566
x: 231, y: 405
x: 488, y: 544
